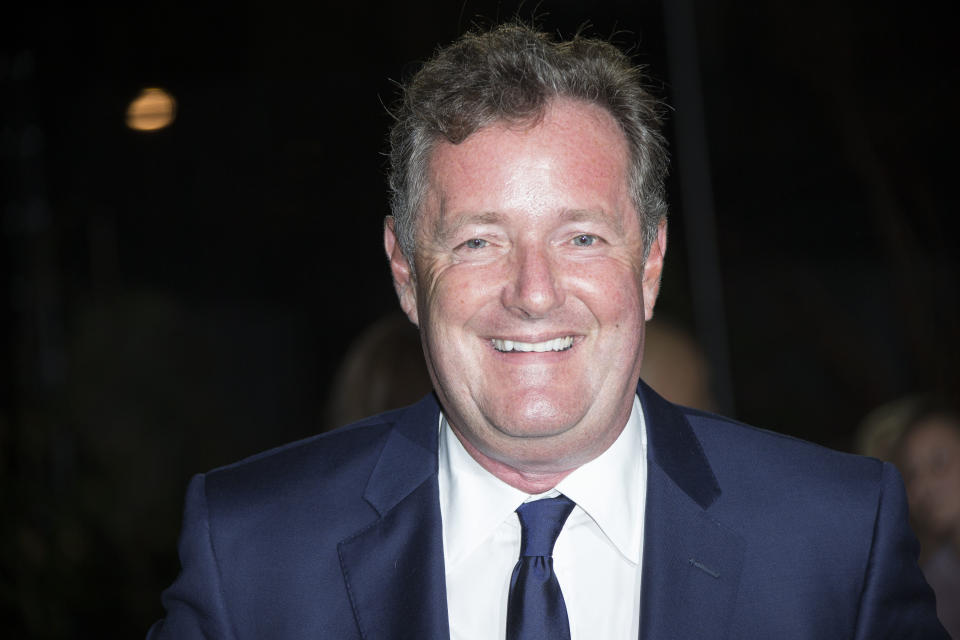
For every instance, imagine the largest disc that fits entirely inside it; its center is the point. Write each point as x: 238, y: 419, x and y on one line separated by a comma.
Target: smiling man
x: 542, y: 491
x: 531, y: 290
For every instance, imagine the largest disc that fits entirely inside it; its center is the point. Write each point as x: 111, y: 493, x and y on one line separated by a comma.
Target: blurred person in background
x: 928, y: 453
x: 878, y: 434
x: 383, y: 369
x: 675, y: 367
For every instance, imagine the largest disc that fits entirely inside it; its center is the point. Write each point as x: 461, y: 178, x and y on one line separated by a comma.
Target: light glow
x: 152, y: 110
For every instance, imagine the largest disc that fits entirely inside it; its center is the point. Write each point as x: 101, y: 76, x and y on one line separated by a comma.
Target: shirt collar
x: 610, y: 489
x: 473, y: 502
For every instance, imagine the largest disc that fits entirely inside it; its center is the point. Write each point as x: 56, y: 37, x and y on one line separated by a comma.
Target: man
x: 526, y: 243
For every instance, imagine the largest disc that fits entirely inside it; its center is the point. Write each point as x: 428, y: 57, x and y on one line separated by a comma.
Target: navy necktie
x: 535, y: 609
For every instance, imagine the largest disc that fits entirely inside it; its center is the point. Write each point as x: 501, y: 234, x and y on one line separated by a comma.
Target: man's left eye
x: 584, y: 240
x: 475, y: 243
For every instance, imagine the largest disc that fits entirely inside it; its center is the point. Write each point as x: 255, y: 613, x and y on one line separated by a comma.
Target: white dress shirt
x: 597, y: 557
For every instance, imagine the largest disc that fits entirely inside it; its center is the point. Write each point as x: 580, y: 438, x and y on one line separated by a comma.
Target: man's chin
x: 533, y: 432
x: 538, y: 424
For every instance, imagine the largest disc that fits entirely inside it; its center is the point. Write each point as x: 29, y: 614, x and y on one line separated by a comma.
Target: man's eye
x: 584, y: 240
x: 475, y: 243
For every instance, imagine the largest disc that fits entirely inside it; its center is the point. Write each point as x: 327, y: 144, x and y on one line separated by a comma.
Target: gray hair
x: 511, y: 74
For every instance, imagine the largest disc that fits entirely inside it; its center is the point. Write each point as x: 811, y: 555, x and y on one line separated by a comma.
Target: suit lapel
x: 393, y: 568
x: 691, y: 563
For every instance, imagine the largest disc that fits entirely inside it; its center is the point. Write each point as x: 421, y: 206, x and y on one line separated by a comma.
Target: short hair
x: 511, y: 74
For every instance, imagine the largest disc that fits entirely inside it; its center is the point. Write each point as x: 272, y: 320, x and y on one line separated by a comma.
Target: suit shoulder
x: 761, y: 453
x: 804, y: 496
x: 336, y: 461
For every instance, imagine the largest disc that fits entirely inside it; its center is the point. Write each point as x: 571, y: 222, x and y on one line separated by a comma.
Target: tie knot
x: 540, y: 524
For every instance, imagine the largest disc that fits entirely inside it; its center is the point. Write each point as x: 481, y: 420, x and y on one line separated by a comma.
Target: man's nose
x: 534, y: 288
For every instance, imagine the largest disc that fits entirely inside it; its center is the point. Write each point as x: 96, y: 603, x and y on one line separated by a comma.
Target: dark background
x: 175, y: 300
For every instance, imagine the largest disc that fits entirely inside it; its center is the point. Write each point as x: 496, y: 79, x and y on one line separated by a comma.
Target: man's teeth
x: 557, y: 344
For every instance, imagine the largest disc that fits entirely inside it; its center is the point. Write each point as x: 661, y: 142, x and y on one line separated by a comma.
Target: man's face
x: 530, y: 288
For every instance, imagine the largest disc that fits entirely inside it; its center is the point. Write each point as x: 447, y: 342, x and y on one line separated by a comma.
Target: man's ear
x: 400, y: 268
x: 653, y: 269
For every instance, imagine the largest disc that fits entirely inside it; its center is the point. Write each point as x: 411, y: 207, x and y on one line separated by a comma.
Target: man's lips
x: 554, y: 344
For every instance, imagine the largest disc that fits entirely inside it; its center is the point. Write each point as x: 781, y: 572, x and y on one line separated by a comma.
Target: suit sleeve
x: 194, y: 603
x: 896, y: 601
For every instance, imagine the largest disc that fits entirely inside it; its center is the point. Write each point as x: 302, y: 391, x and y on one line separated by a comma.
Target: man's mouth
x: 557, y: 344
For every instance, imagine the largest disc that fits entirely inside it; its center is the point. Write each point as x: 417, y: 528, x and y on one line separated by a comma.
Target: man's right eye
x: 475, y: 243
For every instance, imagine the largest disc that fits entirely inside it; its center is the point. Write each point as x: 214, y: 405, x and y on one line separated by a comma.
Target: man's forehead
x: 579, y: 144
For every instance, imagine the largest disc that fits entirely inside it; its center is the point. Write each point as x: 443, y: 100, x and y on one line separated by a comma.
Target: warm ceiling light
x: 151, y: 110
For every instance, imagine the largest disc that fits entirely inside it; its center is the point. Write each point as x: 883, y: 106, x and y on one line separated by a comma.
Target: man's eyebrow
x: 593, y: 215
x: 445, y: 228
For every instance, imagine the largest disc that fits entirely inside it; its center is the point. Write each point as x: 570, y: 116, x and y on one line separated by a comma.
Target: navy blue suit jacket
x: 748, y: 534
